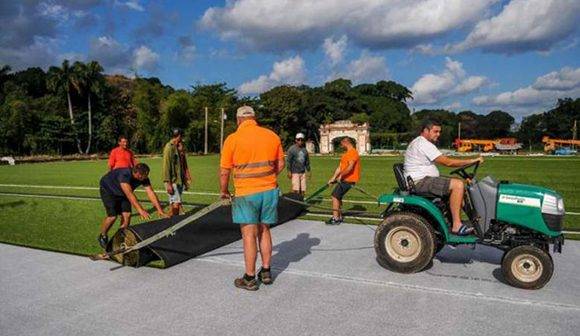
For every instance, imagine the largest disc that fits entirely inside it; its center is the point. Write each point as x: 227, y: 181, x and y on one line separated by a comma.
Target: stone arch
x: 343, y: 128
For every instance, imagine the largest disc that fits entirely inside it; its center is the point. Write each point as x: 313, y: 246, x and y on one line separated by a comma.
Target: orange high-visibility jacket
x: 253, y: 153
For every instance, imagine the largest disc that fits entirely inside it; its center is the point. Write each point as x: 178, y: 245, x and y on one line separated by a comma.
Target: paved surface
x: 327, y: 283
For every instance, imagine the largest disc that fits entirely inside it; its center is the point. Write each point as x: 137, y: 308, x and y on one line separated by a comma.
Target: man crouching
x: 117, y: 194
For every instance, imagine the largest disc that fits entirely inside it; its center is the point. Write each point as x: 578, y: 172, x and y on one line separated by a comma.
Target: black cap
x: 176, y: 132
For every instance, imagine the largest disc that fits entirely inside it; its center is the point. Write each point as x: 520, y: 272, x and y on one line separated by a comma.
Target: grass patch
x: 72, y: 225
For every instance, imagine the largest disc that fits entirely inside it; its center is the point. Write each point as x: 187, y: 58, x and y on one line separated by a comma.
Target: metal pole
x: 459, y: 130
x: 205, y: 136
x: 222, y: 130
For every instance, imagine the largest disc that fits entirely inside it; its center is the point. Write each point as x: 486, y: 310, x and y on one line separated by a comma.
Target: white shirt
x: 419, y: 159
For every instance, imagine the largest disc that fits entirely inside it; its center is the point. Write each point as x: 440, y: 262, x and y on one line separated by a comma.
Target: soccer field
x: 55, y: 206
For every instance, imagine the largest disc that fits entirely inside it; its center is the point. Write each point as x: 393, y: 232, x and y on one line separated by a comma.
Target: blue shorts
x: 258, y: 208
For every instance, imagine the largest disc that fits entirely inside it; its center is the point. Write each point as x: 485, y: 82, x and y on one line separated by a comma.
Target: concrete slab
x: 327, y: 282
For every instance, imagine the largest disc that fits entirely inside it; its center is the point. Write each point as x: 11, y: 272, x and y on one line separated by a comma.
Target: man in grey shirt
x: 420, y: 159
x: 298, y: 164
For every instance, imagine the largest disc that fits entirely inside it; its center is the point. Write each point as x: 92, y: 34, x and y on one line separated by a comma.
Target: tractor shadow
x: 292, y: 251
x: 466, y: 255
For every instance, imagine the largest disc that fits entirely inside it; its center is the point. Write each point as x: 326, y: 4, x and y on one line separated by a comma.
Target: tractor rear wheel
x: 527, y: 267
x: 404, y: 242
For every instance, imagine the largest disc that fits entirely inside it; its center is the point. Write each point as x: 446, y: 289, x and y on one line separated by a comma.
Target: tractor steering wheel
x: 461, y: 171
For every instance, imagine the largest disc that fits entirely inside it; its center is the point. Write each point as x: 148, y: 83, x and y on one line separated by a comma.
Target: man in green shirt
x: 173, y: 173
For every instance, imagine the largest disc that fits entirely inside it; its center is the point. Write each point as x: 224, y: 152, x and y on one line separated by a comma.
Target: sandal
x: 464, y: 230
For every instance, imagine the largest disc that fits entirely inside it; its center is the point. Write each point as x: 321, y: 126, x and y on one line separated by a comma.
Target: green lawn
x: 71, y: 225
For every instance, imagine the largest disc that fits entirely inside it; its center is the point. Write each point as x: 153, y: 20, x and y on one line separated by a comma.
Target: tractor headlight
x: 561, y: 205
x: 552, y: 205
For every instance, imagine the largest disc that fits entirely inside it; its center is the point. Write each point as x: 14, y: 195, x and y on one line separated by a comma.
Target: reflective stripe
x: 255, y: 164
x: 252, y: 175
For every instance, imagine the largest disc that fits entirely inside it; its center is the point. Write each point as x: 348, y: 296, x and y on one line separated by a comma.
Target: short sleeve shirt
x: 111, y: 182
x: 252, y: 151
x: 354, y: 175
x: 420, y: 159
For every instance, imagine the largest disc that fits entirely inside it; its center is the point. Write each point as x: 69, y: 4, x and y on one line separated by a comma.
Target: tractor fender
x: 416, y: 201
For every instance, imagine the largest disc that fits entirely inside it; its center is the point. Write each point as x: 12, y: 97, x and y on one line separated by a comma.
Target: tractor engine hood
x: 534, y: 207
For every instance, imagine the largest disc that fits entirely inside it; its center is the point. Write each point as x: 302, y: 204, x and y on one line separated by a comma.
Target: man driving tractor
x: 420, y: 159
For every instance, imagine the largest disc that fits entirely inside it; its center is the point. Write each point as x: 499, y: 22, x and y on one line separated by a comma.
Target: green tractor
x: 521, y: 220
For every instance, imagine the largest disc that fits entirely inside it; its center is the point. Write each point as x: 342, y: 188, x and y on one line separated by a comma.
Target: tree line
x: 76, y: 108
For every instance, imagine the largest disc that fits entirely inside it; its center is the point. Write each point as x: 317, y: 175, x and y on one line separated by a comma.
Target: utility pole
x: 222, y: 129
x: 205, y: 137
x: 459, y: 130
x: 575, y: 131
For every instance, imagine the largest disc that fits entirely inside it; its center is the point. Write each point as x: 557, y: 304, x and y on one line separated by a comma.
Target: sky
x: 518, y: 56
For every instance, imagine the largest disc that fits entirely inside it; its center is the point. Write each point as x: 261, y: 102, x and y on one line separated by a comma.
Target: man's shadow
x: 292, y: 251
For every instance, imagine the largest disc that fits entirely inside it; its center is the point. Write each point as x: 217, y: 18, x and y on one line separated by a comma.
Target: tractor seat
x: 406, y: 185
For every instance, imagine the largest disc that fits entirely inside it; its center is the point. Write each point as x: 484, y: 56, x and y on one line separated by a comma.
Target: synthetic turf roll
x: 203, y: 235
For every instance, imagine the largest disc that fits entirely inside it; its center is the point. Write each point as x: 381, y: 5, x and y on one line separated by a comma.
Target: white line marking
x: 204, y: 193
x: 391, y: 284
x: 98, y: 199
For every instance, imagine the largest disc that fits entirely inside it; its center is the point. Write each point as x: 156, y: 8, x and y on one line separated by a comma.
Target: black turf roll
x: 208, y: 233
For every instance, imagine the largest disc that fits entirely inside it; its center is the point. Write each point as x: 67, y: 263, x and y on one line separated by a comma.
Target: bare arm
x: 280, y: 166
x: 154, y: 199
x: 449, y: 162
x: 133, y: 200
x: 338, y: 173
x: 224, y: 183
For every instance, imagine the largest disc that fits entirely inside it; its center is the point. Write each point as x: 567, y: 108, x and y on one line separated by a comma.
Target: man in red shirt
x: 122, y: 156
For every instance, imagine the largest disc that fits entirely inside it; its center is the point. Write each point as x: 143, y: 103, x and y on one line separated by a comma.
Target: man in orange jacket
x: 254, y: 154
x: 345, y: 176
x: 122, y: 156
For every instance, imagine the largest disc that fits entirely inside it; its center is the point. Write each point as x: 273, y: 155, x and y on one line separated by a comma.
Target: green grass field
x: 55, y: 206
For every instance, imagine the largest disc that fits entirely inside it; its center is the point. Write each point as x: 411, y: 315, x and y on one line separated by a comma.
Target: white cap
x: 245, y: 111
x: 299, y: 136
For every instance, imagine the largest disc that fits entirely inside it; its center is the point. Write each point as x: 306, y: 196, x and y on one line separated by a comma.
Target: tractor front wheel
x: 527, y: 267
x: 404, y: 243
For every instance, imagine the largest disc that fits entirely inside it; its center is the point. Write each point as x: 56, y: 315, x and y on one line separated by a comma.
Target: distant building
x: 342, y: 128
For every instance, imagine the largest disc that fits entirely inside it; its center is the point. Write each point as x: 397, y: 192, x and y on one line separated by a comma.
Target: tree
x: 89, y: 79
x: 63, y: 79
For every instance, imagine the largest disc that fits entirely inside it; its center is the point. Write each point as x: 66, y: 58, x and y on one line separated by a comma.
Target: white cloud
x: 542, y: 93
x: 366, y: 68
x: 117, y: 57
x: 524, y: 25
x: 453, y: 106
x: 565, y: 79
x: 145, y: 58
x: 42, y: 53
x: 289, y: 71
x: 113, y: 55
x: 426, y: 49
x: 298, y: 24
x: 334, y: 49
x: 131, y: 4
x: 452, y: 81
x: 187, y: 50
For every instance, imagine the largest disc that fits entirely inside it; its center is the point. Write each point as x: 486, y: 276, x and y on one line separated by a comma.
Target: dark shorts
x: 115, y: 205
x: 437, y: 186
x: 341, y: 189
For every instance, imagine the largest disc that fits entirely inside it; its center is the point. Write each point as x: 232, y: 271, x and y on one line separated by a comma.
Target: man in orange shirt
x: 122, y: 156
x: 346, y: 175
x: 255, y: 156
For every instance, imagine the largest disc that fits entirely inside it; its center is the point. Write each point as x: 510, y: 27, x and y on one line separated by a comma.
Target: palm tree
x: 89, y: 78
x: 63, y: 78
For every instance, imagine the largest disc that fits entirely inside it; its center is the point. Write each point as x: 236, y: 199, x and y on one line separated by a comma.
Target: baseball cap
x: 245, y: 111
x: 299, y: 136
x: 176, y: 132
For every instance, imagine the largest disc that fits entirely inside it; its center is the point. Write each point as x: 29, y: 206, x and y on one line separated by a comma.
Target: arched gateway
x: 342, y: 128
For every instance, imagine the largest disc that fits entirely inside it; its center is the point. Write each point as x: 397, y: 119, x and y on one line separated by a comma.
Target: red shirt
x: 121, y: 158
